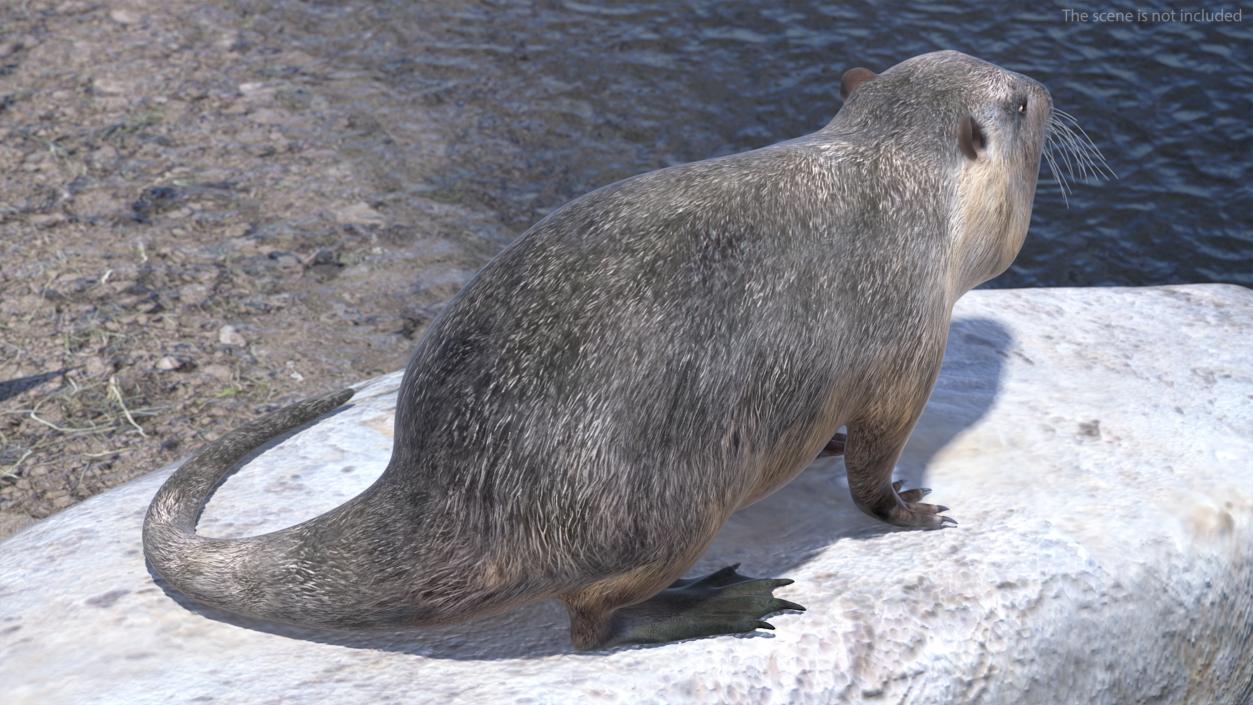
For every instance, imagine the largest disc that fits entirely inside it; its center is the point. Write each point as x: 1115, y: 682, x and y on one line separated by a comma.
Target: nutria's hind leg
x: 835, y: 446
x: 723, y: 602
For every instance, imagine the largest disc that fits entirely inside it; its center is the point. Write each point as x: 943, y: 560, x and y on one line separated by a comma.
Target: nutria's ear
x: 970, y: 137
x: 852, y: 79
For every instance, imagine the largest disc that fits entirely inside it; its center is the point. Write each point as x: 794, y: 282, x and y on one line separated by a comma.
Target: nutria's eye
x: 1022, y: 105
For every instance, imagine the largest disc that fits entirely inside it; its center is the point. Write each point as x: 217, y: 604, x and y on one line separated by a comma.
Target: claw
x: 914, y: 495
x: 720, y: 574
x: 750, y: 586
x: 765, y: 625
x: 944, y: 521
x: 941, y: 508
x: 788, y: 605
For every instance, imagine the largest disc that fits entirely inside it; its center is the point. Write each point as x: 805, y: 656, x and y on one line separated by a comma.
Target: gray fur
x: 591, y: 407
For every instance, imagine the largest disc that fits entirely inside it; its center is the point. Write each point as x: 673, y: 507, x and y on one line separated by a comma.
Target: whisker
x: 1057, y: 175
x: 1065, y: 122
x: 1071, y: 154
x: 1077, y: 149
x: 1083, y: 152
x: 1076, y: 154
x: 1063, y: 115
x: 1058, y: 139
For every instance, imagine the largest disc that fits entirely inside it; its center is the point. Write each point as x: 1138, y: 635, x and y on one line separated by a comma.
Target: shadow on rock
x: 969, y: 382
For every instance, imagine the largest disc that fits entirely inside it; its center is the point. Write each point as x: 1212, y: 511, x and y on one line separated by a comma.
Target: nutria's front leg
x: 873, y: 446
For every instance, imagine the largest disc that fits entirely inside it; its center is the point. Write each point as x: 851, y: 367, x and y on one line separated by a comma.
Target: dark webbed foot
x: 909, y: 511
x: 723, y: 602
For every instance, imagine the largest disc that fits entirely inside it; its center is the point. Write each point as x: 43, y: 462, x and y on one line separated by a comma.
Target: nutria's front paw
x: 912, y: 513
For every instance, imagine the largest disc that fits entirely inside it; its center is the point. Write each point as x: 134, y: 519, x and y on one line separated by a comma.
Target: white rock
x: 227, y: 335
x: 125, y: 16
x: 359, y: 213
x: 169, y: 362
x: 109, y: 85
x: 1095, y: 444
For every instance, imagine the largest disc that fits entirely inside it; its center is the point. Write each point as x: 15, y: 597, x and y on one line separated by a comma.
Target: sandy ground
x: 197, y: 224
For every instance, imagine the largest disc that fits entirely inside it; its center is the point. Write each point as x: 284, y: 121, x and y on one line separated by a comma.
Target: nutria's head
x: 979, y: 129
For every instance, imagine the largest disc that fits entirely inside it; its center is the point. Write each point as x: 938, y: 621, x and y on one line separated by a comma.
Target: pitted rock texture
x: 1094, y: 444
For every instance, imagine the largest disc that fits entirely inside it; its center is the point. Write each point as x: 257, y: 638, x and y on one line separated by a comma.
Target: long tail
x: 254, y: 576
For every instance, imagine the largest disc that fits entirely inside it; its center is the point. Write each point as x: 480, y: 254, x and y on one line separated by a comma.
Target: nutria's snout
x: 1036, y: 99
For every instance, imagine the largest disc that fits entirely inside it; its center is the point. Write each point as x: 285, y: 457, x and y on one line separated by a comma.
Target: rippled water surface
x: 529, y: 105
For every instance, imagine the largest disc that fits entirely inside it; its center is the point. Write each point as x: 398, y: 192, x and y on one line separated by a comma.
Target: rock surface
x: 1095, y: 446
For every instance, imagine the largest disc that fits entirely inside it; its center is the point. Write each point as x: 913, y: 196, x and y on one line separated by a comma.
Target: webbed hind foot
x: 723, y: 602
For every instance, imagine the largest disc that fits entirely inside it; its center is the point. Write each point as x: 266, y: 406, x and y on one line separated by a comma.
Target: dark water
x: 529, y: 105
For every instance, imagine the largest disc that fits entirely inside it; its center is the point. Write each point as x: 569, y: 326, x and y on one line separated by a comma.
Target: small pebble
x: 169, y: 363
x: 124, y: 16
x: 227, y: 335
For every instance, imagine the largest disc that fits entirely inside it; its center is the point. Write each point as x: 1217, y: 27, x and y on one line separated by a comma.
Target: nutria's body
x: 588, y: 411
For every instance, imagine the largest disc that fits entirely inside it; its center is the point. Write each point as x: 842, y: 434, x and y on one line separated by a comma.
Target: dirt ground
x: 198, y: 223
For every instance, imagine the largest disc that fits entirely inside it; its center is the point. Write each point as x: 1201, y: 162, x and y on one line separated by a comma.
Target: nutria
x: 584, y: 415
